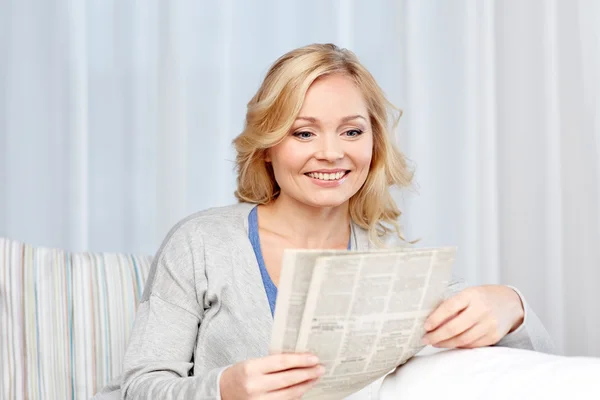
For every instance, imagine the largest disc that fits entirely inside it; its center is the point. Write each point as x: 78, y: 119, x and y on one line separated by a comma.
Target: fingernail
x: 320, y: 370
x: 427, y: 326
x: 425, y: 341
x: 313, y: 359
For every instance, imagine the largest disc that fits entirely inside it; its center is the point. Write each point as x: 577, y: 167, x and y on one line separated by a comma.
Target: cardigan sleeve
x: 159, y: 356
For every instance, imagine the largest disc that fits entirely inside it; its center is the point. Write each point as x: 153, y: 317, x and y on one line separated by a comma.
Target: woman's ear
x: 268, y: 155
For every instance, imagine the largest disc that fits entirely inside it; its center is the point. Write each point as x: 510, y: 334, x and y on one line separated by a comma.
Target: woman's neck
x: 308, y: 227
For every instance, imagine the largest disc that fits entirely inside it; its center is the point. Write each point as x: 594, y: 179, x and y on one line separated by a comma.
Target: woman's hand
x: 476, y: 317
x: 280, y: 376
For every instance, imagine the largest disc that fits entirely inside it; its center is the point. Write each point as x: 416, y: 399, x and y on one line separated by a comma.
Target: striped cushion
x: 64, y: 319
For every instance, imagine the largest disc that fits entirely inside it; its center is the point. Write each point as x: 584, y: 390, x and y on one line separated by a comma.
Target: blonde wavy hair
x: 273, y: 110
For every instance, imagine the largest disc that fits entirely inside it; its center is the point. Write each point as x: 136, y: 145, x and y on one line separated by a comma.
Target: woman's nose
x: 330, y: 150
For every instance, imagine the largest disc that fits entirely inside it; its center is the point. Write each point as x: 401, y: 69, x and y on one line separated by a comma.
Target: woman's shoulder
x: 219, y: 222
x: 237, y: 211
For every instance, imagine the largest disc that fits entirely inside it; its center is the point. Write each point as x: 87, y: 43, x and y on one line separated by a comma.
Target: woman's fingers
x: 293, y: 377
x: 292, y: 392
x: 487, y: 340
x: 447, y: 309
x: 468, y: 338
x: 477, y: 316
x: 260, y: 376
x: 453, y: 327
x: 284, y: 361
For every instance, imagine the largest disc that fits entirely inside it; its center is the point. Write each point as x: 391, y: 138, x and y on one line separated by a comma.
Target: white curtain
x: 116, y: 119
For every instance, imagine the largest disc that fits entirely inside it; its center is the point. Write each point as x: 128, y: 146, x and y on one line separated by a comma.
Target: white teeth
x: 326, y: 176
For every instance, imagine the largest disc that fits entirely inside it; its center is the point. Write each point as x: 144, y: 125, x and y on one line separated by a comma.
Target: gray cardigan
x: 205, y: 308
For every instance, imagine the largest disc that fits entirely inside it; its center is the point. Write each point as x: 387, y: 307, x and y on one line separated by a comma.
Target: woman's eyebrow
x: 345, y: 119
x: 309, y: 119
x: 351, y: 117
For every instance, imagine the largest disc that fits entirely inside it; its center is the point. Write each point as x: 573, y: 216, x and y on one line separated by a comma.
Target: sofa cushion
x: 65, y: 319
x: 493, y: 373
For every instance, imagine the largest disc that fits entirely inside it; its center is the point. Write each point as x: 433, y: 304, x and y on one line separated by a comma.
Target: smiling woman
x: 327, y: 150
x: 318, y: 112
x: 315, y: 164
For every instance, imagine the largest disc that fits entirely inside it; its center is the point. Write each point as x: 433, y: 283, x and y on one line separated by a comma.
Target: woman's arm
x: 161, y: 346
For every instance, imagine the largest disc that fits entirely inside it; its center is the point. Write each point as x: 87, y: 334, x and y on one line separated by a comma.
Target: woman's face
x: 325, y: 158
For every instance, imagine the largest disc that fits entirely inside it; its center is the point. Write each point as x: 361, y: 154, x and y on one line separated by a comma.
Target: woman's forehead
x: 333, y: 97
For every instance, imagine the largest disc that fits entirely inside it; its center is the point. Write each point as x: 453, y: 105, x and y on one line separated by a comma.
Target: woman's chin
x: 331, y: 202
x: 319, y: 198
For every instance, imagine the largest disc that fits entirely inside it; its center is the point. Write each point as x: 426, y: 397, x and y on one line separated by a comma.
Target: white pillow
x: 494, y: 373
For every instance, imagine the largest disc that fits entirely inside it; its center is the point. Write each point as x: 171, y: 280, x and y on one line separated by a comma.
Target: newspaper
x: 361, y: 313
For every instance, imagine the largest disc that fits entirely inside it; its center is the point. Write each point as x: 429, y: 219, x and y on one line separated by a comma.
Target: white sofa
x: 493, y: 373
x: 65, y: 319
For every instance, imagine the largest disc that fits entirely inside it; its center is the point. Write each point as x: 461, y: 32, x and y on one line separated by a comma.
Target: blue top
x: 270, y: 287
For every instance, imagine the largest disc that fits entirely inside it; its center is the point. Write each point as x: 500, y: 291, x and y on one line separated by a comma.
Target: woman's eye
x: 303, y: 135
x: 354, y: 132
